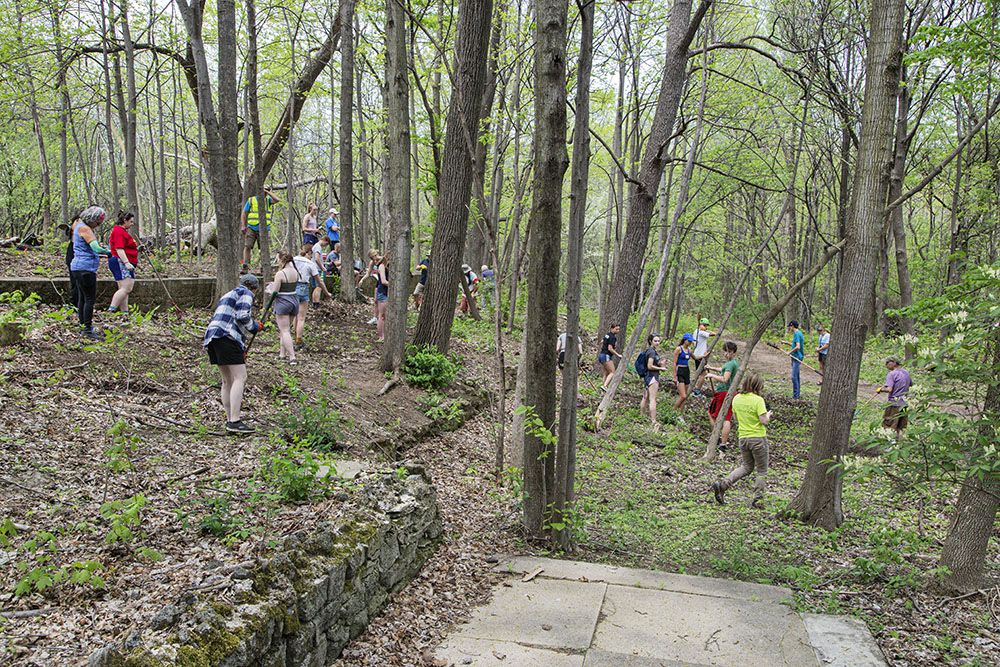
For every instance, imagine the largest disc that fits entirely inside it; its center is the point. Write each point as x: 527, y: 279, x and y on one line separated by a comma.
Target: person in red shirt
x: 124, y: 257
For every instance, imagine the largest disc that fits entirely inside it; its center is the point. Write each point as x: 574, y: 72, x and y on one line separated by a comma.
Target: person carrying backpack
x: 649, y: 362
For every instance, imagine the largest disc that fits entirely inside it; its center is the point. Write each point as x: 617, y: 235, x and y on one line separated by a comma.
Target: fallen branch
x: 961, y: 597
x: 43, y: 494
x: 28, y: 613
x: 40, y: 371
x: 176, y: 429
x: 186, y: 474
x: 390, y: 383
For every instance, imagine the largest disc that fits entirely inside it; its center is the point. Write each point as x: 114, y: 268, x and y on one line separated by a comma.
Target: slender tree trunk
x: 253, y: 121
x: 819, y: 500
x: 546, y: 225
x: 680, y: 32
x: 398, y: 185
x: 562, y: 504
x: 64, y: 110
x: 437, y: 311
x: 346, y: 220
x: 36, y: 123
x: 221, y: 131
x: 964, y: 552
x: 365, y: 219
x: 109, y: 132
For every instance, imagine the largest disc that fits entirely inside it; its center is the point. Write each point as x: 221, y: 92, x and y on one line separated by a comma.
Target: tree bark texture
x: 346, y: 175
x: 566, y: 449
x: 680, y: 33
x: 819, y: 500
x: 398, y: 185
x: 546, y: 226
x: 964, y: 551
x: 221, y: 132
x: 437, y: 311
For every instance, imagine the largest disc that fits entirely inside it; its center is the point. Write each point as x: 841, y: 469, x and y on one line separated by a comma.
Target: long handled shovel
x: 156, y: 273
x: 263, y: 317
x: 789, y: 354
x: 863, y: 406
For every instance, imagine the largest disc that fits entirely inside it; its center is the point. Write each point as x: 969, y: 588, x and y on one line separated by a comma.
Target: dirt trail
x: 769, y: 361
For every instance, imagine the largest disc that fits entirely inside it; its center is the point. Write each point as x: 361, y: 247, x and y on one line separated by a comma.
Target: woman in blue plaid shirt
x: 226, y: 341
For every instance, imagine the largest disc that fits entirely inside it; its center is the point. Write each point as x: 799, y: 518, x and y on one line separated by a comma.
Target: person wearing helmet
x: 701, y: 336
x: 226, y: 343
x: 682, y: 373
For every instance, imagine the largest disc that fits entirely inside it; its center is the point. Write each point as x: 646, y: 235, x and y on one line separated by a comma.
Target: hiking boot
x: 239, y: 428
x: 91, y: 333
x: 719, y: 488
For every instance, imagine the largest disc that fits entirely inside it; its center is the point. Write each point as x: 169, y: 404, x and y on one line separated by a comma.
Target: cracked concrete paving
x: 587, y: 615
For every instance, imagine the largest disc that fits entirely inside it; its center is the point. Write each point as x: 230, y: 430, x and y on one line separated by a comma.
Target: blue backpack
x: 640, y: 364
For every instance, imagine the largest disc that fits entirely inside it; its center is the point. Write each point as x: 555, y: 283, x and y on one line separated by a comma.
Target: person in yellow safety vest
x: 250, y: 225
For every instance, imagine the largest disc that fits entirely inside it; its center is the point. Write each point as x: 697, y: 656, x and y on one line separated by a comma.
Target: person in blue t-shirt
x: 797, y: 354
x: 332, y: 227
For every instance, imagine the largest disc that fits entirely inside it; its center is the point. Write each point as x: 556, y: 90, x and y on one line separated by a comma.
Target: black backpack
x: 640, y: 364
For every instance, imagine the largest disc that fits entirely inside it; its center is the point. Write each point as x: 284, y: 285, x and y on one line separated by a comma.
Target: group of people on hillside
x: 83, y: 259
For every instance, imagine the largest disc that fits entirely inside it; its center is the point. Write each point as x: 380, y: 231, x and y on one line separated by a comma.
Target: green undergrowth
x: 643, y: 500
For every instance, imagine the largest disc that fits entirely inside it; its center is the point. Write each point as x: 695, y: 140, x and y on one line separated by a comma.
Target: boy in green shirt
x: 752, y: 417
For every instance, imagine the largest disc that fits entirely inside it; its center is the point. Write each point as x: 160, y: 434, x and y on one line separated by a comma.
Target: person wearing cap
x: 486, y: 277
x: 897, y: 383
x: 682, y: 373
x: 83, y: 267
x: 250, y: 224
x: 701, y: 336
x: 797, y: 355
x: 332, y: 228
x: 226, y: 343
x: 823, y: 348
x: 472, y: 280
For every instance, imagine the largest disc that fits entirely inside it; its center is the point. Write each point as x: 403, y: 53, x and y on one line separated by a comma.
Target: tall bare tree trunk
x: 680, y: 33
x: 964, y: 551
x: 562, y: 503
x: 346, y: 175
x: 437, y: 311
x: 398, y: 185
x: 819, y: 500
x: 546, y: 225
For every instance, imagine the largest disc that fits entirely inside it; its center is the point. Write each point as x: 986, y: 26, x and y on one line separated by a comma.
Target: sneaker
x: 297, y: 346
x: 373, y: 320
x: 723, y: 447
x: 757, y: 504
x: 239, y: 428
x: 719, y: 488
x: 112, y: 309
x: 243, y: 272
x: 680, y: 420
x: 91, y: 333
x: 697, y: 392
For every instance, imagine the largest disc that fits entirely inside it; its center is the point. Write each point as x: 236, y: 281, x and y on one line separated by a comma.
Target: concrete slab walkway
x: 587, y: 615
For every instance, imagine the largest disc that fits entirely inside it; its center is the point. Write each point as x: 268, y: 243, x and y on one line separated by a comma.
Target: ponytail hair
x: 284, y: 258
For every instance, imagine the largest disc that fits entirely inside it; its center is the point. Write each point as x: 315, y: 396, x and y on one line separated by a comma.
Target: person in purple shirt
x: 897, y: 383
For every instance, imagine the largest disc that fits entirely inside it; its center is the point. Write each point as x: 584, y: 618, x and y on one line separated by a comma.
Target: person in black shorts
x: 606, y: 357
x: 651, y: 380
x: 225, y: 342
x: 682, y: 373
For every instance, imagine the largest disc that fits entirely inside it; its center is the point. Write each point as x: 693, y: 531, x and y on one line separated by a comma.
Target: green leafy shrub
x: 38, y: 567
x: 442, y: 409
x: 293, y: 475
x: 311, y: 420
x: 427, y: 368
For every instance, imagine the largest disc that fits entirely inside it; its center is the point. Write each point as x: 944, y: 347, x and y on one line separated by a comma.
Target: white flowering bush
x: 950, y: 436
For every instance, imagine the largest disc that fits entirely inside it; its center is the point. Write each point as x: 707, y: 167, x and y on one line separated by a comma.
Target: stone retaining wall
x: 146, y: 294
x: 304, y: 604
